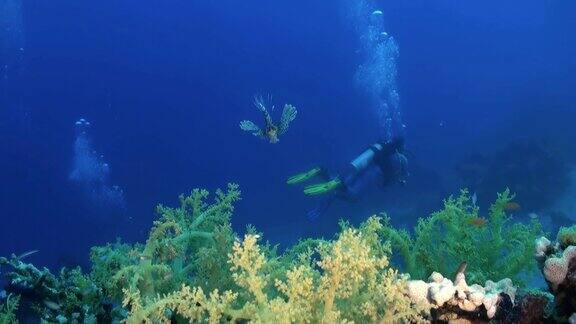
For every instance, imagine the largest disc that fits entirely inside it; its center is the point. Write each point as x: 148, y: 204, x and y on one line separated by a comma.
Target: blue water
x: 164, y: 85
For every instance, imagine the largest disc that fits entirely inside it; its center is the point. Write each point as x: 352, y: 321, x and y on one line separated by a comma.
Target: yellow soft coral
x: 299, y: 291
x: 190, y: 303
x: 352, y: 282
x: 346, y: 263
x: 247, y: 261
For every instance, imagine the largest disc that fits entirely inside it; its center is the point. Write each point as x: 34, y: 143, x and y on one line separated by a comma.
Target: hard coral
x: 532, y: 307
x: 458, y: 300
x: 555, y: 270
x: 543, y: 245
x: 558, y: 265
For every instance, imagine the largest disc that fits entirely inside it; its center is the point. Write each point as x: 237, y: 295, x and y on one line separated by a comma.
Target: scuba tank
x: 363, y: 160
x: 376, y: 152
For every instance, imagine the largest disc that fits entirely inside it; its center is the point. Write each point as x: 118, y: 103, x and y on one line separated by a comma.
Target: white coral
x: 440, y: 291
x: 436, y: 277
x: 476, y: 295
x: 569, y: 253
x: 542, y: 246
x: 555, y: 270
x: 418, y: 292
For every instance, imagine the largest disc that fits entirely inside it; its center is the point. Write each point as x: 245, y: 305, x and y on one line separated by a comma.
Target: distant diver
x: 383, y: 164
x: 271, y: 131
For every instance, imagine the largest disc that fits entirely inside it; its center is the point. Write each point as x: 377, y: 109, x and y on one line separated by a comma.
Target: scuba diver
x: 271, y: 131
x: 383, y: 164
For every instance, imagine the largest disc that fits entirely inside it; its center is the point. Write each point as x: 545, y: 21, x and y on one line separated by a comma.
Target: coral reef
x: 194, y: 268
x: 187, y: 245
x: 532, y: 307
x: 558, y: 265
x: 457, y: 300
x: 350, y: 280
x: 494, y: 247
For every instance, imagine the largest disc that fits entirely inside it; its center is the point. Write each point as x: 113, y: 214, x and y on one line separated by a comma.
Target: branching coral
x: 494, y: 247
x: 351, y: 280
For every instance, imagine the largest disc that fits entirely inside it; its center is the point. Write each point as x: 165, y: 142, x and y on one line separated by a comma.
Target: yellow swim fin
x: 322, y: 188
x: 301, y: 177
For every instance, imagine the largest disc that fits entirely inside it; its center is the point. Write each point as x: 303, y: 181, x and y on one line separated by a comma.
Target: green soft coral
x: 8, y: 309
x: 494, y: 247
x: 186, y: 245
x: 350, y: 280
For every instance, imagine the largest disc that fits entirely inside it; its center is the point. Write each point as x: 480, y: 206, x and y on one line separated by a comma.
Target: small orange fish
x: 478, y: 221
x: 512, y: 206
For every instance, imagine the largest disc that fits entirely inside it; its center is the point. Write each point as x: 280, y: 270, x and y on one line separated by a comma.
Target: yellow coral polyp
x: 347, y: 263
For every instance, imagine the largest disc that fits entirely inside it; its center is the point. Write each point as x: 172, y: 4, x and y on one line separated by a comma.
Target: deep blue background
x: 165, y: 84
